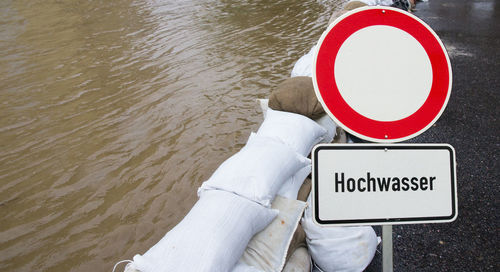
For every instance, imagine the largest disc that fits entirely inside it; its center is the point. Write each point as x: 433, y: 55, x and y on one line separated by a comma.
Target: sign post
x: 383, y: 75
x: 387, y: 262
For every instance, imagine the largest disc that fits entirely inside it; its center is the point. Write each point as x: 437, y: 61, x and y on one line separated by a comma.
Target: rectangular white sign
x: 377, y: 184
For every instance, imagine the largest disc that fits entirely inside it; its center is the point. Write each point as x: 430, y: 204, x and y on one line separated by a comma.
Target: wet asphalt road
x: 470, y: 31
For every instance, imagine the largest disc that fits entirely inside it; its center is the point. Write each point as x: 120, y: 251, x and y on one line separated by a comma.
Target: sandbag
x: 304, y: 66
x: 326, y: 122
x: 305, y: 190
x: 298, y: 240
x: 374, y: 2
x: 339, y: 249
x: 290, y: 187
x: 243, y: 267
x: 296, y: 131
x: 300, y: 261
x: 297, y: 95
x: 212, y: 236
x: 338, y: 134
x: 268, y: 249
x: 257, y: 171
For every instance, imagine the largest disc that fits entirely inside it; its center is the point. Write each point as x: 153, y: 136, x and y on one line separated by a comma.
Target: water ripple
x: 110, y: 109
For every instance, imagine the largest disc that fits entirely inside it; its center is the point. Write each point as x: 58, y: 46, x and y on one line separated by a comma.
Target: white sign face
x: 374, y: 79
x: 376, y: 184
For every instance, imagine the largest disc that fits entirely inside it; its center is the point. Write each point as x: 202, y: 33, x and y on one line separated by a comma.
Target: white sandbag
x: 264, y: 104
x: 291, y: 187
x: 339, y: 249
x: 212, y: 236
x: 329, y: 125
x: 295, y: 130
x: 268, y: 249
x: 129, y: 268
x: 376, y: 2
x: 257, y: 171
x: 304, y: 66
x: 325, y: 121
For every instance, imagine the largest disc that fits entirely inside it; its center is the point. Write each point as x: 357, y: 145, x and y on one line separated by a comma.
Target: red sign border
x: 357, y: 124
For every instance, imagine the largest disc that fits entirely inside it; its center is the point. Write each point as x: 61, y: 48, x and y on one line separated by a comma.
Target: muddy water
x: 112, y: 113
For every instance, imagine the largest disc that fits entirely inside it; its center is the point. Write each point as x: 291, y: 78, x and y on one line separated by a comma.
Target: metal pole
x: 387, y: 265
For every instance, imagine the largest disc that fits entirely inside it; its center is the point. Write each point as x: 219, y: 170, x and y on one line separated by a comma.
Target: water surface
x: 112, y: 113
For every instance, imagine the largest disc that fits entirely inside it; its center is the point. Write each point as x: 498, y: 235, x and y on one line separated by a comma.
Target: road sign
x: 377, y: 184
x: 382, y: 74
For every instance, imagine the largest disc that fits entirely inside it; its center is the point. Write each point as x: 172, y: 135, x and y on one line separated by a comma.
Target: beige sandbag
x: 296, y: 94
x: 304, y: 190
x: 267, y: 250
x: 299, y: 262
x: 299, y: 237
x: 298, y: 241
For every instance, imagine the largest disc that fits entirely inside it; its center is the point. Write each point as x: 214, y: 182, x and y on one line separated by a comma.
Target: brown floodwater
x: 112, y: 113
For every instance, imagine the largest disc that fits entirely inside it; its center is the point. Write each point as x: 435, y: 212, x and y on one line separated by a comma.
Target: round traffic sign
x: 382, y: 74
